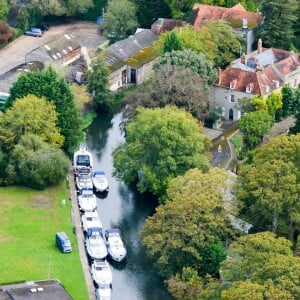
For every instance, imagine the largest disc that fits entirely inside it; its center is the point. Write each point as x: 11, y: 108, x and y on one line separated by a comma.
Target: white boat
x: 82, y: 159
x: 87, y: 200
x: 95, y: 245
x: 103, y: 292
x: 101, y: 272
x: 115, y: 246
x: 90, y: 220
x: 100, y: 181
x: 84, y: 181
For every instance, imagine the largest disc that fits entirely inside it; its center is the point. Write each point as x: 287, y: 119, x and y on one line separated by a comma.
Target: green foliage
x: 180, y: 9
x: 33, y: 115
x: 44, y: 167
x: 120, y: 18
x: 161, y: 144
x: 95, y: 11
x: 172, y: 42
x: 98, y: 85
x: 255, y: 125
x: 149, y: 11
x: 61, y: 7
x: 272, y: 201
x: 276, y: 13
x: 265, y: 261
x: 192, y: 60
x: 4, y: 9
x: 290, y: 100
x: 55, y: 89
x: 186, y: 230
x: 237, y: 142
x: 23, y: 19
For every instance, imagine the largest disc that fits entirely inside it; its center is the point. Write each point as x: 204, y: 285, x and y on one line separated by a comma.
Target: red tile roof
x: 262, y: 77
x: 162, y: 25
x: 203, y: 12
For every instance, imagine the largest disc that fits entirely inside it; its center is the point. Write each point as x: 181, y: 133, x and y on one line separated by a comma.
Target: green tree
x: 186, y: 231
x: 49, y: 84
x: 192, y: 60
x: 44, y: 167
x: 262, y: 259
x: 272, y: 201
x: 255, y: 125
x: 160, y: 144
x: 61, y: 7
x: 244, y: 290
x: 274, y: 103
x: 23, y: 19
x: 170, y: 85
x: 149, y: 11
x: 98, y: 85
x: 290, y: 100
x: 120, y: 18
x: 180, y: 9
x: 4, y: 9
x: 33, y: 115
x: 276, y: 13
x: 172, y: 42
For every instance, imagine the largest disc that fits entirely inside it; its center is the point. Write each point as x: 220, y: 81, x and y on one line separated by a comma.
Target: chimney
x: 219, y: 75
x: 244, y: 59
x: 259, y: 46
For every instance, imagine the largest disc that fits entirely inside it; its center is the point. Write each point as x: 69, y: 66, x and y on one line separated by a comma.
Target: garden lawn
x: 29, y: 222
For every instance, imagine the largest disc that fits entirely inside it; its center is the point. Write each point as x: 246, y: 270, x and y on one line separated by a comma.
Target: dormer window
x: 276, y: 83
x: 249, y: 88
x: 232, y: 84
x: 267, y: 89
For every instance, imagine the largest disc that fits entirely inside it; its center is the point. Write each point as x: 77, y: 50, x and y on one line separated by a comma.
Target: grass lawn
x: 29, y: 221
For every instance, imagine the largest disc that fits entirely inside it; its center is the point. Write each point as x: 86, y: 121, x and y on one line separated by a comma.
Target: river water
x: 136, y: 278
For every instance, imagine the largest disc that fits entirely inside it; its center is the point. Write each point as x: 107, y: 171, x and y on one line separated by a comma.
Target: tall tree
x: 271, y: 201
x: 149, y: 11
x: 276, y: 13
x: 98, y: 85
x: 120, y: 18
x: 160, y: 144
x: 255, y: 125
x: 187, y: 230
x: 49, y: 84
x: 192, y: 60
x: 172, y: 42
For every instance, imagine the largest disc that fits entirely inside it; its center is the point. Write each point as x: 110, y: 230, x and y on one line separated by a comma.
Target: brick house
x: 259, y: 73
x: 241, y: 20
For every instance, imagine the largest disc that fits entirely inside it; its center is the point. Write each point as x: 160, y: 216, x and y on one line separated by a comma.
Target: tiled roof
x: 203, y: 12
x: 162, y: 25
x: 133, y: 44
x: 142, y: 57
x: 259, y: 73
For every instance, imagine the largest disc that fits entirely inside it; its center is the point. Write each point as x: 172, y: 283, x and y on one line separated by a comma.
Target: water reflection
x: 122, y: 208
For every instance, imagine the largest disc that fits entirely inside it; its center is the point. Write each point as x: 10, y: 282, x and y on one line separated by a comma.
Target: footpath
x: 80, y: 237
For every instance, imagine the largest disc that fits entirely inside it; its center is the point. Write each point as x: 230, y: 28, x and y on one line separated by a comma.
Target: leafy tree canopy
x: 255, y: 125
x: 120, y: 18
x: 160, y: 144
x: 171, y: 85
x: 186, y: 231
x: 32, y: 115
x: 276, y: 13
x: 192, y: 60
x: 98, y: 84
x: 265, y: 260
x: 272, y: 201
x: 49, y: 84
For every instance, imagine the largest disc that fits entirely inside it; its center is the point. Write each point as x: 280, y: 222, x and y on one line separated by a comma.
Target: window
x: 232, y: 100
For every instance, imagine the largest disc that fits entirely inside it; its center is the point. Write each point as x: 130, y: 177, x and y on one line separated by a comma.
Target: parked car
x: 43, y: 27
x: 36, y: 32
x: 63, y: 243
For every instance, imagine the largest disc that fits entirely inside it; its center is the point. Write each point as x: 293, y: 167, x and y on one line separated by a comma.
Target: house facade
x: 241, y: 20
x: 258, y: 74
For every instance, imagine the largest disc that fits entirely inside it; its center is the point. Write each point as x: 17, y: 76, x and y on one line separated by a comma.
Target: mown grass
x: 29, y: 221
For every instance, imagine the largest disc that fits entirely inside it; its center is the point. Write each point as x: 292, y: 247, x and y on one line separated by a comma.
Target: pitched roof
x: 162, y: 25
x: 261, y: 73
x: 141, y: 58
x: 203, y: 12
x: 133, y: 44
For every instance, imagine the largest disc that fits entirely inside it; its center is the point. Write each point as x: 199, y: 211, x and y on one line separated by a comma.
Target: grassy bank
x: 29, y: 221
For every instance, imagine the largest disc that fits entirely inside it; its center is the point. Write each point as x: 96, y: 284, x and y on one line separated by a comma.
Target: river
x: 136, y: 278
